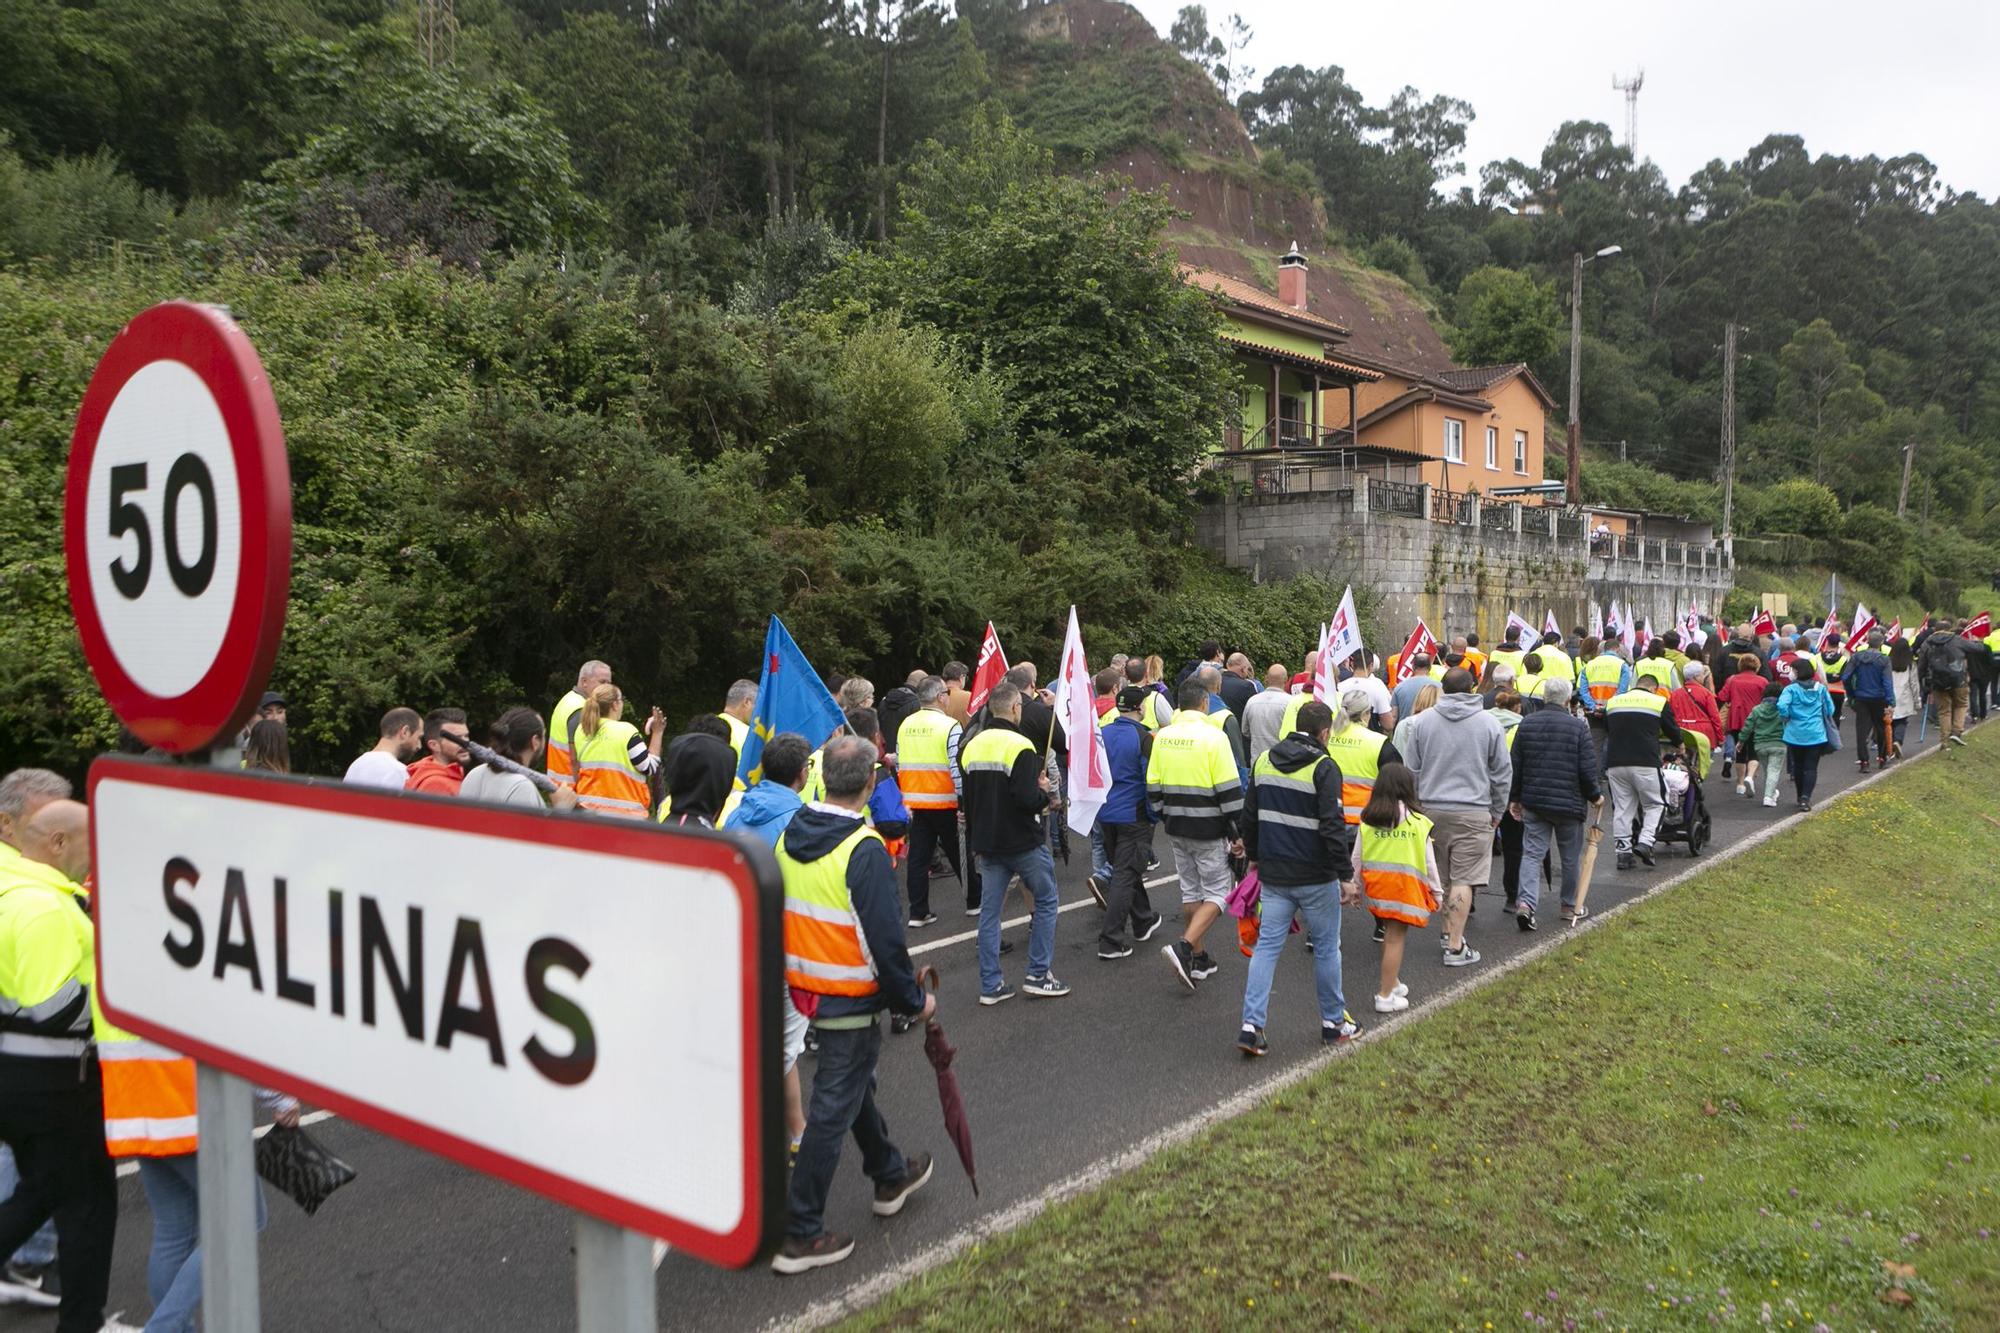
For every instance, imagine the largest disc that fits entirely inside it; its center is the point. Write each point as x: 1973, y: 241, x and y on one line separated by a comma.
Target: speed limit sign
x: 177, y: 525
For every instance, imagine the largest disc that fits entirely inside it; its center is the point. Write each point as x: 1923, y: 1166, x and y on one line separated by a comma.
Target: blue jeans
x: 40, y: 1248
x: 842, y: 1099
x: 1319, y: 905
x: 1100, y: 859
x: 1537, y: 834
x: 1037, y: 870
x: 173, y: 1268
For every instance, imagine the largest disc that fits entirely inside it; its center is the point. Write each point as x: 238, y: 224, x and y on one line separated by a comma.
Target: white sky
x: 1852, y: 78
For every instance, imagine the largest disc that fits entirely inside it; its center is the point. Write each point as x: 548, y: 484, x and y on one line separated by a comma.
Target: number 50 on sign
x: 177, y: 525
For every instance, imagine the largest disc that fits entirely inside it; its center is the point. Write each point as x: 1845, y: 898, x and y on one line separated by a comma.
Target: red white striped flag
x: 1981, y: 626
x: 1420, y: 641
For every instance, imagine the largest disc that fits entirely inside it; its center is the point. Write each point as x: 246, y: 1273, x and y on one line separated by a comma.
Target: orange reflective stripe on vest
x: 149, y: 1106
x: 825, y: 950
x: 606, y: 782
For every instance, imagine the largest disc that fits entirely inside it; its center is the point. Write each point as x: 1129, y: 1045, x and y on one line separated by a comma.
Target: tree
x: 1822, y: 395
x: 1503, y: 316
x: 1219, y: 54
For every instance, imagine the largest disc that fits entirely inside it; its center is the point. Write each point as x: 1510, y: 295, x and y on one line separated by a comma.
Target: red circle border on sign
x: 206, y: 341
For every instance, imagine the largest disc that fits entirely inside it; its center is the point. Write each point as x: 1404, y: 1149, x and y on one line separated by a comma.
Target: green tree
x: 1502, y: 315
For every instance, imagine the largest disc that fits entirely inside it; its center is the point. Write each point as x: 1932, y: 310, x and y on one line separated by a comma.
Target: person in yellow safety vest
x: 1606, y: 674
x: 1467, y: 647
x: 1194, y: 787
x: 738, y: 706
x: 1357, y: 751
x: 564, y: 720
x: 612, y: 760
x: 1510, y: 652
x: 1555, y: 662
x: 927, y: 769
x: 846, y: 960
x: 1400, y: 884
x: 1528, y: 681
x: 1638, y: 723
x: 51, y: 1086
x: 1656, y: 667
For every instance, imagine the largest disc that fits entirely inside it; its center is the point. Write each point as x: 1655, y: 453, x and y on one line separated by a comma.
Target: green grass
x: 1734, y: 1107
x: 1806, y: 586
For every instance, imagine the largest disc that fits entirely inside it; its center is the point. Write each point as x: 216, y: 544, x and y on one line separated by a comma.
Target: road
x: 1052, y: 1087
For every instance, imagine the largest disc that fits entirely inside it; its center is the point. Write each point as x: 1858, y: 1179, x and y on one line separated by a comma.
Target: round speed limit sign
x: 177, y: 526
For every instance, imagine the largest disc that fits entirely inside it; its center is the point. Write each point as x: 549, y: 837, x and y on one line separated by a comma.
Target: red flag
x: 992, y: 666
x: 1864, y: 620
x: 1420, y: 641
x: 1764, y: 624
x: 1981, y: 626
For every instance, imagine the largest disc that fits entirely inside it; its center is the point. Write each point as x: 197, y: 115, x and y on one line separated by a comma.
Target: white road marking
x: 131, y: 1168
x: 872, y: 1289
x: 949, y: 940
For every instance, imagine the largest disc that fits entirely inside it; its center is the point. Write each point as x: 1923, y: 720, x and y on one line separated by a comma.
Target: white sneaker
x: 1392, y: 1003
x: 1743, y: 788
x: 1402, y: 988
x: 1770, y: 801
x: 113, y: 1324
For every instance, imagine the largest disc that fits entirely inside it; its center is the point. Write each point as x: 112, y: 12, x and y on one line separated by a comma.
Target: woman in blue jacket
x: 1808, y: 711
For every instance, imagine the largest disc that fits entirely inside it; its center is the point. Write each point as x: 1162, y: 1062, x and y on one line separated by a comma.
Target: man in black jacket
x: 1555, y: 778
x: 1296, y: 836
x: 841, y: 905
x: 1006, y: 792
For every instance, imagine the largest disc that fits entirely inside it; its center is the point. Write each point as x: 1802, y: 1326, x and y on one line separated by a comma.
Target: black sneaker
x: 1381, y: 930
x: 1006, y: 946
x: 1251, y: 1041
x: 1096, y: 887
x: 1526, y: 921
x: 803, y: 1254
x: 1204, y: 966
x: 1804, y: 804
x: 1145, y: 930
x: 1727, y: 765
x: 891, y: 1195
x: 919, y: 922
x: 1109, y: 950
x: 1044, y: 987
x: 1644, y: 852
x: 992, y: 997
x: 1513, y: 901
x: 1335, y: 1034
x: 30, y: 1284
x: 1182, y: 957
x: 1625, y: 861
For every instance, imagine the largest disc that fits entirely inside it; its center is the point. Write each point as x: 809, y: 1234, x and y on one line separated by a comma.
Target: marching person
x: 846, y: 958
x: 1763, y: 745
x: 388, y: 764
x: 612, y: 760
x: 517, y: 735
x: 738, y: 707
x: 1264, y: 715
x: 1458, y: 754
x: 1297, y: 840
x: 564, y: 720
x: 1398, y: 868
x: 1193, y: 787
x: 1637, y: 722
x: 51, y: 1086
x: 1126, y: 822
x: 1006, y: 792
x: 440, y: 772
x: 700, y: 772
x: 1808, y: 712
x: 1554, y: 785
x: 1872, y: 688
x: 927, y: 746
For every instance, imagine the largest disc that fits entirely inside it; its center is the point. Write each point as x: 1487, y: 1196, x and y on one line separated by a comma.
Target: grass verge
x: 1765, y: 1099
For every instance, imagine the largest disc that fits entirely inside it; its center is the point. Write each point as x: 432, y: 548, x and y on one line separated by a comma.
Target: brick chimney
x: 1292, y: 278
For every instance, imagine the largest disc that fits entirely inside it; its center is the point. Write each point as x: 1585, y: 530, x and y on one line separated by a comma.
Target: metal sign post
x: 226, y: 1178
x: 614, y: 1279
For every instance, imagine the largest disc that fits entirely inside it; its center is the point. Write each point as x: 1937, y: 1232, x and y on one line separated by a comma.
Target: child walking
x: 1764, y: 743
x: 1399, y: 876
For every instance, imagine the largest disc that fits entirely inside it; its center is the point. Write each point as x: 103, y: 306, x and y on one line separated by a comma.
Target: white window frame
x: 1454, y: 441
x: 1492, y: 448
x: 1521, y: 452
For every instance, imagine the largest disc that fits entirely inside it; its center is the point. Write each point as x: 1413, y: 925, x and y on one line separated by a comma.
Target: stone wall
x: 1464, y: 574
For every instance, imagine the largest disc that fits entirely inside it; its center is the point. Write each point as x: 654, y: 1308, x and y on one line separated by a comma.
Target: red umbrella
x: 941, y: 1052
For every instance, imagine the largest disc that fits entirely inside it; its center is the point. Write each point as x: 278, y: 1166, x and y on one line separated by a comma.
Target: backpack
x: 1947, y: 660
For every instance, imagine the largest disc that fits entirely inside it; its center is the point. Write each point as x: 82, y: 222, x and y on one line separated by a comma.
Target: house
x: 1392, y: 407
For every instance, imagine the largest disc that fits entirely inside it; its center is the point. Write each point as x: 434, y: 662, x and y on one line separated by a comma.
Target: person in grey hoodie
x: 1459, y: 755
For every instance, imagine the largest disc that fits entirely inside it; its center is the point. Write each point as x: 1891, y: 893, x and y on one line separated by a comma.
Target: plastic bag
x: 299, y: 1165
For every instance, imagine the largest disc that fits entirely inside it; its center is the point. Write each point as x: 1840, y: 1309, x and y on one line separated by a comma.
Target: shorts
x: 796, y: 1024
x: 1464, y: 842
x: 1203, y: 864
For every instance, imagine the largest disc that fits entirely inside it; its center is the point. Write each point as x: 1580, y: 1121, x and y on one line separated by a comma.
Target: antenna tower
x: 1630, y: 87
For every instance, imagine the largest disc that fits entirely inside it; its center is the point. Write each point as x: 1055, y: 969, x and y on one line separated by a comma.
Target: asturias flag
x: 790, y: 697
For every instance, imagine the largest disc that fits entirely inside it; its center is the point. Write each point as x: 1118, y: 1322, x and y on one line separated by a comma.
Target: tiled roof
x: 1249, y: 294
x: 1478, y: 379
x: 1290, y: 357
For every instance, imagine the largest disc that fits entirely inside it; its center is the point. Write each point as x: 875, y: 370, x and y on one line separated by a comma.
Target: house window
x: 1492, y: 448
x: 1454, y: 441
x: 1521, y: 452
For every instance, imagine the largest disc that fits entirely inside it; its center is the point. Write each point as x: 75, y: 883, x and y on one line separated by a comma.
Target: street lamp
x: 1574, y: 485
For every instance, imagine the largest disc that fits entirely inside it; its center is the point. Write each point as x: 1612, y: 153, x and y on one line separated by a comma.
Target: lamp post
x: 1574, y: 482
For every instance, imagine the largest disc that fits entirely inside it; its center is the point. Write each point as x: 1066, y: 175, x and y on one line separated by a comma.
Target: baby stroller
x: 1686, y: 819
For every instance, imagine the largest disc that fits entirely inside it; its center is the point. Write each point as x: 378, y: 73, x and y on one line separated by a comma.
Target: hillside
x: 1093, y: 80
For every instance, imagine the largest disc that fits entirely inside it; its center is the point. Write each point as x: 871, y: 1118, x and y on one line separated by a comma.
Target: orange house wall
x: 1421, y: 427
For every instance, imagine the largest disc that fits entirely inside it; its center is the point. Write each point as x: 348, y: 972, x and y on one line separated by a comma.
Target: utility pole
x: 1903, y: 495
x: 1729, y: 430
x: 1573, y: 482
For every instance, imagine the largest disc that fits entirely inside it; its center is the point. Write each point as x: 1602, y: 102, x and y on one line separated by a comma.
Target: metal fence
x: 1452, y: 507
x: 1497, y: 517
x: 1538, y: 521
x: 1395, y: 497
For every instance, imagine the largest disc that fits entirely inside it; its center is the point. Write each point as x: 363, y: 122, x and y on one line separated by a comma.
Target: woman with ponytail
x: 613, y: 760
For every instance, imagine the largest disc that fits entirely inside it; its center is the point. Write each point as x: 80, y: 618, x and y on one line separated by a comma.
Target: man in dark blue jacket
x: 1872, y: 689
x: 1555, y: 779
x: 1127, y: 824
x: 847, y: 961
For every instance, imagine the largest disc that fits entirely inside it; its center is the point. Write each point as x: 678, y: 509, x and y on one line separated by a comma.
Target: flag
x: 1528, y: 634
x: 992, y: 666
x: 1343, y: 634
x: 1864, y: 620
x: 1895, y: 630
x: 1089, y: 775
x: 1620, y: 625
x: 1326, y: 669
x: 1420, y: 641
x: 790, y: 697
x: 1550, y: 625
x: 1765, y: 623
x: 1981, y: 626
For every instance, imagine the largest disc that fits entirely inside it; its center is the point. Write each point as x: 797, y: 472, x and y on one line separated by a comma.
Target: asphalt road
x: 1052, y: 1086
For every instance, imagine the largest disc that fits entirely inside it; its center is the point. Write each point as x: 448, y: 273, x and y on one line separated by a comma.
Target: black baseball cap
x: 272, y: 699
x: 1132, y: 697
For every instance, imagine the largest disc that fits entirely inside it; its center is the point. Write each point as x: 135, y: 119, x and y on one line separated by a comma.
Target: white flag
x: 1550, y: 625
x: 1343, y: 635
x: 1514, y: 621
x: 1326, y: 670
x: 1089, y: 777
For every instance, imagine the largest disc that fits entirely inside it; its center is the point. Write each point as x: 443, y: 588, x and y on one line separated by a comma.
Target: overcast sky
x: 1852, y: 78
